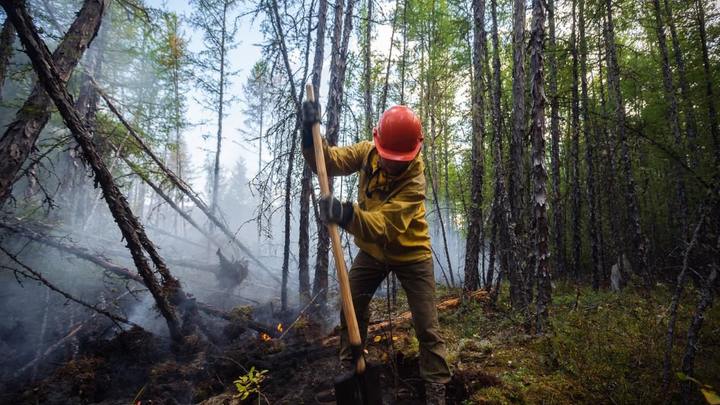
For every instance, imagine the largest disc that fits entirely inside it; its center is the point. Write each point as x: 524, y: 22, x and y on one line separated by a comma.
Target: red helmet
x: 398, y: 135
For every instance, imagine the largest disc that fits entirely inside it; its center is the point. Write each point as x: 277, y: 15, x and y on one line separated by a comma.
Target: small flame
x: 279, y: 327
x: 264, y: 336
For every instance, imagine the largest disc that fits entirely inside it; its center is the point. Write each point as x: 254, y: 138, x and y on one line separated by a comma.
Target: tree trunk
x: 367, y: 68
x: 637, y: 237
x: 383, y: 98
x: 472, y: 248
x: 516, y: 166
x: 677, y: 294
x: 87, y: 106
x: 575, y: 149
x: 516, y: 175
x: 558, y: 224
x: 277, y: 26
x: 712, y: 112
x: 608, y: 180
x: 674, y: 118
x: 306, y: 185
x: 433, y: 174
x: 338, y: 61
x: 221, y: 104
x: 20, y: 136
x: 496, y: 247
x: 594, y: 228
x: 7, y: 37
x: 537, y: 133
x: 133, y: 233
x: 690, y: 121
x: 706, y: 300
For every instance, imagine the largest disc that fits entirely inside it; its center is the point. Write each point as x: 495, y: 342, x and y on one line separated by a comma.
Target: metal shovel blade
x: 359, y: 389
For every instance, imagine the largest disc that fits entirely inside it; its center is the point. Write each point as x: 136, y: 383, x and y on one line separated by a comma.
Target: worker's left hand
x: 310, y: 116
x: 331, y: 210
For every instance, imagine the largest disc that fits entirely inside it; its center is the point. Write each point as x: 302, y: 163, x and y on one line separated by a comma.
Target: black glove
x: 331, y: 210
x: 311, y: 116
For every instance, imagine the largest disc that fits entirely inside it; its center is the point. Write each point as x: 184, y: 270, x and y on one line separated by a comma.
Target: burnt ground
x: 603, y: 348
x: 137, y: 367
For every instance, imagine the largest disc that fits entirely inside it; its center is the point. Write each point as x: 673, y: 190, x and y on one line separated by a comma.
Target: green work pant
x: 418, y: 281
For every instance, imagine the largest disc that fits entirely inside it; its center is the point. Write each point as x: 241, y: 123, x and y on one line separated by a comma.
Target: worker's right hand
x: 311, y: 116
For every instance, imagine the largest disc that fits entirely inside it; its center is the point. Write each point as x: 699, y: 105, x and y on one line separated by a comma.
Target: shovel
x: 362, y: 385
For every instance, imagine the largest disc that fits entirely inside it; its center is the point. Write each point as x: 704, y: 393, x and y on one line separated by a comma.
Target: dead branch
x: 31, y: 274
x: 405, y: 317
x: 74, y: 330
x: 20, y: 136
x: 131, y: 229
x: 123, y: 272
x: 181, y: 184
x: 78, y: 251
x: 145, y: 178
x: 254, y: 325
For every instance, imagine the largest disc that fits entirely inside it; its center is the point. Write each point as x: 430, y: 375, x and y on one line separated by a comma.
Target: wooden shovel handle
x: 345, y: 295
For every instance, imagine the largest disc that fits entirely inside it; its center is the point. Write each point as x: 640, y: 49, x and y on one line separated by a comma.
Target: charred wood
x: 20, y: 136
x: 131, y: 229
x: 182, y: 185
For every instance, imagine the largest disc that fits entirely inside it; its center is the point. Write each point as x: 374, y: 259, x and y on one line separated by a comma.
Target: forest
x: 163, y: 233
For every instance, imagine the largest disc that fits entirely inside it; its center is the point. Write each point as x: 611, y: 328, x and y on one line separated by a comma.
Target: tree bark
x: 706, y: 300
x: 537, y: 133
x: 222, y: 82
x: 338, y: 62
x: 7, y: 37
x: 473, y: 242
x: 383, y: 98
x: 677, y: 294
x: 367, y: 68
x: 710, y: 98
x: 20, y: 136
x: 306, y: 184
x: 674, y: 118
x: 575, y: 149
x: 594, y: 227
x: 132, y: 231
x: 277, y: 26
x: 516, y: 175
x: 637, y: 237
x: 558, y: 223
x: 688, y: 108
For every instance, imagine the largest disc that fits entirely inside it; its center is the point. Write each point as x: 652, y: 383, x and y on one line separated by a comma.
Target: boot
x: 434, y: 393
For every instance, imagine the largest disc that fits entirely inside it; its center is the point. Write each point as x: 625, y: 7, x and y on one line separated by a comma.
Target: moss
x: 602, y: 347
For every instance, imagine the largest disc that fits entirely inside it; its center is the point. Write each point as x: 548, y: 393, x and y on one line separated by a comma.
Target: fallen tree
x: 125, y: 273
x: 20, y: 136
x: 180, y: 184
x: 406, y: 317
x: 27, y: 272
x: 167, y: 292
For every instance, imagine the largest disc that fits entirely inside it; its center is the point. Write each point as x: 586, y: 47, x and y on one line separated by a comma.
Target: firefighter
x: 389, y: 227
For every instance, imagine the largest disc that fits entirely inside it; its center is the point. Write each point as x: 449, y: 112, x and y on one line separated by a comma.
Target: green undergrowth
x: 602, y: 347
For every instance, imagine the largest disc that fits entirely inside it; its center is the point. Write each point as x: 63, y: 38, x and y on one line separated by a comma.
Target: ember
x: 264, y: 337
x: 280, y: 327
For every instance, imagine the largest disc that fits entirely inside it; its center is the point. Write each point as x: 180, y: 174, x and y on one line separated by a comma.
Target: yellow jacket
x: 389, y: 217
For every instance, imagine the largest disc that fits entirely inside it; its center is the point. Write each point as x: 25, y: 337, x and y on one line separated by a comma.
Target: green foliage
x: 603, y: 347
x: 709, y: 393
x: 249, y: 384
